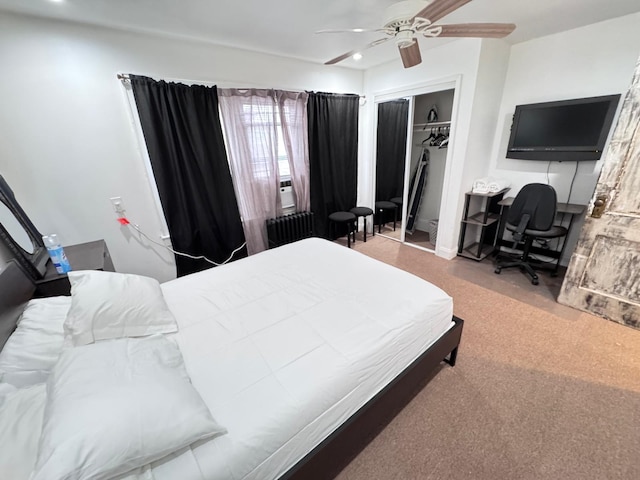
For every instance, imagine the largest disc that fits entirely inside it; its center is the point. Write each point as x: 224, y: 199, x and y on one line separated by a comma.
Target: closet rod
x: 432, y: 124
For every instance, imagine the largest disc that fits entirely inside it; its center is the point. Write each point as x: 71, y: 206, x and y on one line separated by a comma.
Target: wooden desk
x: 83, y: 256
x: 571, y: 209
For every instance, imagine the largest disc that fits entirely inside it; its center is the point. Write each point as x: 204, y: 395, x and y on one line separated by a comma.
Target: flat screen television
x: 567, y: 130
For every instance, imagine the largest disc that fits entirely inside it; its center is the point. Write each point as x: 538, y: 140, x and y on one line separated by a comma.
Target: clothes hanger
x: 444, y: 142
x: 439, y: 137
x: 431, y: 135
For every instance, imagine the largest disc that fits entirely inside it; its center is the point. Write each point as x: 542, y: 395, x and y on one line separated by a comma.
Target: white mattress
x: 286, y: 345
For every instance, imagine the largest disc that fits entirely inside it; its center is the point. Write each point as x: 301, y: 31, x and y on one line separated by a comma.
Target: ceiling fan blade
x: 358, y: 50
x: 482, y: 30
x: 439, y: 8
x: 410, y: 55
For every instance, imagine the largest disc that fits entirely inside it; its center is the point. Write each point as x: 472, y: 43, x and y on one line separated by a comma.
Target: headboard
x: 15, y: 290
x: 32, y: 254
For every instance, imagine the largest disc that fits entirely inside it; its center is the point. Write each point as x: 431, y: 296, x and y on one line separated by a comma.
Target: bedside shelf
x: 83, y: 256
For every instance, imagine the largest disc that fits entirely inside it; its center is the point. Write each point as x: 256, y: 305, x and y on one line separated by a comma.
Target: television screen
x: 564, y: 130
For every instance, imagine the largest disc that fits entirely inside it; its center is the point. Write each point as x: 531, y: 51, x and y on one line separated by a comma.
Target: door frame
x: 451, y: 82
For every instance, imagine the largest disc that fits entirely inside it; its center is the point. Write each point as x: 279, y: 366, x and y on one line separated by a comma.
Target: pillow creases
x: 117, y: 405
x: 33, y: 348
x: 107, y: 305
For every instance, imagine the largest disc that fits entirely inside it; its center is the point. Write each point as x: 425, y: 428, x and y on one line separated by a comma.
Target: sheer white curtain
x: 292, y: 108
x: 250, y: 118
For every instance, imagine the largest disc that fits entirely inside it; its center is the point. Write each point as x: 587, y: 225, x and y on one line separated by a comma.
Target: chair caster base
x: 497, y: 270
x: 534, y: 281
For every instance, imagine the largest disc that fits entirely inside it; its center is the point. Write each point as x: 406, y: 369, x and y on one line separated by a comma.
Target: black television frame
x: 573, y: 153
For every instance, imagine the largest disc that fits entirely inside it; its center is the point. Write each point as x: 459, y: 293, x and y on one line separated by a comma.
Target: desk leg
x: 564, y: 244
x: 501, y: 226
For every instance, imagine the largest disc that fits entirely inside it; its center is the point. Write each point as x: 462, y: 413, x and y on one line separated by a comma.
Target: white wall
x: 589, y: 61
x: 67, y: 143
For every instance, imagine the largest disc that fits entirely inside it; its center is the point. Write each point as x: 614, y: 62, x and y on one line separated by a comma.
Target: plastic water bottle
x: 56, y: 252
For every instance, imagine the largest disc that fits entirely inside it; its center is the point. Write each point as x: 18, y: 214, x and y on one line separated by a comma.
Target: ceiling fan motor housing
x: 399, y: 18
x: 403, y: 12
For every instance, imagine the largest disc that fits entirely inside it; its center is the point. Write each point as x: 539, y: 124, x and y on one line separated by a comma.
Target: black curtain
x: 333, y: 155
x: 184, y: 138
x: 391, y: 146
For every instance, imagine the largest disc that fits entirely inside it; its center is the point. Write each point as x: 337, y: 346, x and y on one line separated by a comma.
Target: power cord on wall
x: 548, y: 167
x: 136, y: 227
x: 575, y: 172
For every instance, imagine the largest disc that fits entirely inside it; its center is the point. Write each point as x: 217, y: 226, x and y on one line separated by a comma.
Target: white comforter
x: 284, y: 346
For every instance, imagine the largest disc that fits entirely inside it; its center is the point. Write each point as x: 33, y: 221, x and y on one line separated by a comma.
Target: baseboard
x: 447, y: 253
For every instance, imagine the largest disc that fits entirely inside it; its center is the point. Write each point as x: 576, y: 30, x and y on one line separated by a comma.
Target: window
x: 267, y: 116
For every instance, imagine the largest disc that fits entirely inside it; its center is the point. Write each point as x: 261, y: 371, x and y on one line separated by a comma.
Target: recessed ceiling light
x: 56, y: 1
x: 357, y: 56
x: 358, y: 30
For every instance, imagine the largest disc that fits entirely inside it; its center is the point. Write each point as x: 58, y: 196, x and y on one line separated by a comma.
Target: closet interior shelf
x: 424, y: 126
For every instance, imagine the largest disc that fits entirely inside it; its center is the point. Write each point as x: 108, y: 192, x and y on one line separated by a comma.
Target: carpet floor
x: 540, y: 391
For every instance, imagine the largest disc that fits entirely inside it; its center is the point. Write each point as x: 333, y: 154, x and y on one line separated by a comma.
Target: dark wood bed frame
x: 15, y: 291
x: 338, y: 449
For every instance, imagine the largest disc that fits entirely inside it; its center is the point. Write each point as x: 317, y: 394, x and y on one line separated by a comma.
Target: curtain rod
x: 125, y: 78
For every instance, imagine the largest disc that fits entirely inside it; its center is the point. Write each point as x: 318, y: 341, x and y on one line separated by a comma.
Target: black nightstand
x: 83, y: 256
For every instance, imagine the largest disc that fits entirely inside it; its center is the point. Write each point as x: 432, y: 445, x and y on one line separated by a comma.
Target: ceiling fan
x: 403, y: 24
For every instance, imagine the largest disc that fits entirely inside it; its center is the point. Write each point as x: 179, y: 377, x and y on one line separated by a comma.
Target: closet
x: 431, y: 130
x: 411, y: 157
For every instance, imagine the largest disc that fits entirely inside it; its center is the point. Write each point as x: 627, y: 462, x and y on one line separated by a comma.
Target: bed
x: 303, y: 353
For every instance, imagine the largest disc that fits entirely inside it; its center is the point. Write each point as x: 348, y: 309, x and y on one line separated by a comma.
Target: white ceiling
x: 286, y: 27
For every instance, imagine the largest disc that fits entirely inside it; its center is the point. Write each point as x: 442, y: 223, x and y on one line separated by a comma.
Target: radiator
x: 289, y: 228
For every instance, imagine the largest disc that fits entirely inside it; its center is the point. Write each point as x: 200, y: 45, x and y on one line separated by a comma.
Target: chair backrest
x: 539, y: 201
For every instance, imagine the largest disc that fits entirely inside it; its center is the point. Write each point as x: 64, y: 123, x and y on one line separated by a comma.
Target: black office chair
x: 531, y: 217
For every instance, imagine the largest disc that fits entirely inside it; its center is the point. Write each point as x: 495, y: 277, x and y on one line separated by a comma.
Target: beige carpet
x: 540, y: 391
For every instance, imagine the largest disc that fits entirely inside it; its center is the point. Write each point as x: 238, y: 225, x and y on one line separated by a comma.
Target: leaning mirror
x: 19, y: 235
x: 391, y: 152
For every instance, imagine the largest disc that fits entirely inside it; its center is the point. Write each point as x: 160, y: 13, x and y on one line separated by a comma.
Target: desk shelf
x: 480, y: 219
x: 476, y: 251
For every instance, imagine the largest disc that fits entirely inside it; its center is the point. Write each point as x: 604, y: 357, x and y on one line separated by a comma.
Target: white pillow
x: 20, y: 426
x: 33, y: 348
x: 117, y: 405
x: 106, y: 305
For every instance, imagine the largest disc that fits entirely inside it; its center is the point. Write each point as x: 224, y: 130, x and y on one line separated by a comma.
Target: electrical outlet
x: 118, y: 205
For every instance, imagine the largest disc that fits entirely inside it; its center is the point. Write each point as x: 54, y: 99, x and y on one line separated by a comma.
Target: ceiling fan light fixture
x: 404, y: 38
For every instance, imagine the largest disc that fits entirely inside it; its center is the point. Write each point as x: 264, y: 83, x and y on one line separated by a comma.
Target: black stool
x: 398, y: 202
x: 363, y: 212
x: 344, y: 218
x: 382, y: 208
